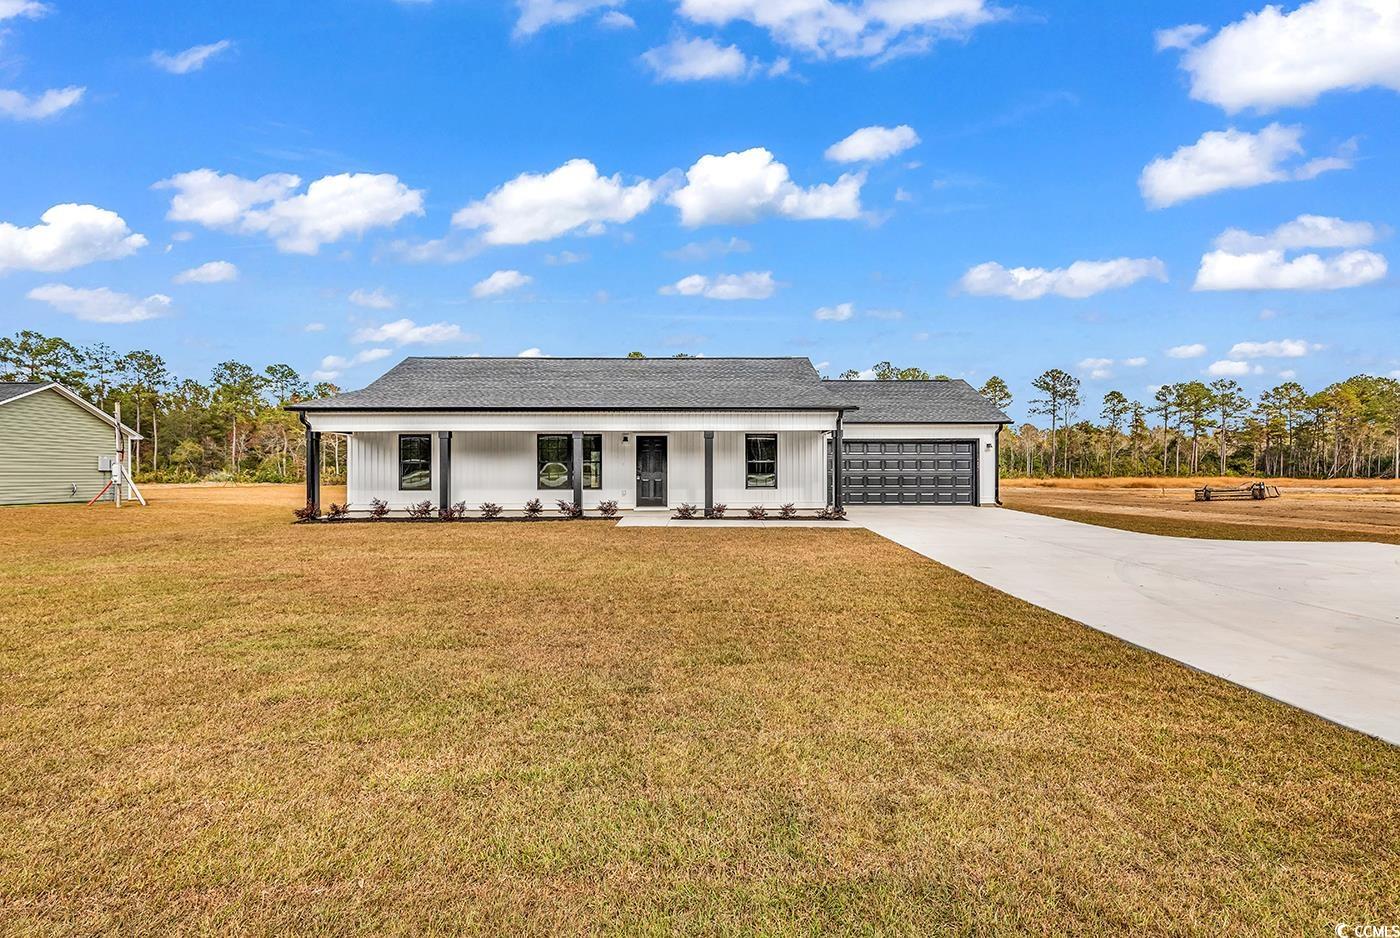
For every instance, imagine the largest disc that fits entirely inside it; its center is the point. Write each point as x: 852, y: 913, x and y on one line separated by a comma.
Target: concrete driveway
x: 1314, y: 625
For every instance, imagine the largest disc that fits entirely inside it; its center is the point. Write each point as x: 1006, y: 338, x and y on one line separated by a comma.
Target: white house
x: 654, y: 433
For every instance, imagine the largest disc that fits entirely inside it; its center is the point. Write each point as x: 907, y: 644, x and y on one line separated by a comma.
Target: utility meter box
x: 104, y: 463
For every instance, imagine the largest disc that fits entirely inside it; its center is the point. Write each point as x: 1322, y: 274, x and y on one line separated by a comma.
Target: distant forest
x: 233, y: 427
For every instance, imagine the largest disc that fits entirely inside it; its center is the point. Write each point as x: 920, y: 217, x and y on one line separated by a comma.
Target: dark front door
x: 651, y: 472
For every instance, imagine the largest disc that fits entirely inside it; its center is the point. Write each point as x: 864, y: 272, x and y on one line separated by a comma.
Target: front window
x: 761, y: 461
x: 415, y: 463
x: 555, y: 453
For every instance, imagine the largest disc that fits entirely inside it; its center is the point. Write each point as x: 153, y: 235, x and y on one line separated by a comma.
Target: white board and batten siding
x: 984, y: 433
x: 501, y: 466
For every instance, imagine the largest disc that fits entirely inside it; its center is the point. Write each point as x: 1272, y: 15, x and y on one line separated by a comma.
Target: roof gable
x: 16, y: 390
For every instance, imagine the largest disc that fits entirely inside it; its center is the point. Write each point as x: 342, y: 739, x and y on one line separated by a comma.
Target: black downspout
x: 996, y: 479
x: 313, y: 464
x: 709, y: 473
x: 445, y: 468
x: 578, y: 470
x: 837, y: 439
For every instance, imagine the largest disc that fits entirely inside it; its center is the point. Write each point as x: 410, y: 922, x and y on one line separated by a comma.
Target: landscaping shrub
x: 570, y: 509
x: 607, y: 509
x: 831, y: 514
x: 489, y: 509
x: 685, y: 511
x: 421, y: 511
x: 378, y: 508
x: 717, y: 511
x: 336, y: 512
x: 307, y: 512
x: 788, y: 511
x: 534, y: 508
x: 452, y: 513
x: 758, y: 512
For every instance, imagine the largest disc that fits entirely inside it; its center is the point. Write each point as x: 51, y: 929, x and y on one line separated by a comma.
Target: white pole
x: 117, y: 463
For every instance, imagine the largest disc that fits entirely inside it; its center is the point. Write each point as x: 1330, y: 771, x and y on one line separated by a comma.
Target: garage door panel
x: 909, y: 472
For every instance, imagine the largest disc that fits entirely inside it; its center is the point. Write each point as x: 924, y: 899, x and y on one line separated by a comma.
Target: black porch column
x: 313, y: 469
x: 577, y: 461
x: 709, y: 472
x: 836, y: 460
x: 444, y: 468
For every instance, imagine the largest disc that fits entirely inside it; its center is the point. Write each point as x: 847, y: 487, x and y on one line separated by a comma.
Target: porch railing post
x: 578, y: 469
x: 313, y: 468
x: 836, y: 445
x: 444, y: 468
x: 709, y: 472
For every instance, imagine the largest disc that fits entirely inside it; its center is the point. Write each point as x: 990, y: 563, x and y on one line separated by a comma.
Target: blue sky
x: 583, y: 177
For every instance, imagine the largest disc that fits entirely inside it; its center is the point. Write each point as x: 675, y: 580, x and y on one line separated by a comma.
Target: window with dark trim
x: 555, y: 461
x: 760, y: 460
x: 415, y: 463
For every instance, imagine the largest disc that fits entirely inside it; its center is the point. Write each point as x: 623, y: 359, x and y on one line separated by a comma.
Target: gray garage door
x: 910, y: 472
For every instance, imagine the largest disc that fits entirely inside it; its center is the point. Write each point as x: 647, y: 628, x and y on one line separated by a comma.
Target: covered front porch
x: 640, y: 462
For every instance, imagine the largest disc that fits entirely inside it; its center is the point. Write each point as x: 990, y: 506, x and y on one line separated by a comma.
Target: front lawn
x: 212, y: 720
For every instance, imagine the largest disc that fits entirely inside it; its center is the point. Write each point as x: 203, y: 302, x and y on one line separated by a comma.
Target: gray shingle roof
x: 590, y: 384
x: 952, y: 401
x: 9, y: 389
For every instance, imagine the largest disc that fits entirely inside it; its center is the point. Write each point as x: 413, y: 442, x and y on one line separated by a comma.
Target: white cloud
x: 11, y: 9
x: 715, y: 247
x: 331, y: 208
x: 838, y: 313
x: 1279, y: 348
x: 332, y: 366
x: 1098, y: 368
x: 531, y: 353
x: 533, y: 207
x: 67, y: 236
x: 827, y: 28
x: 743, y: 187
x: 1136, y: 361
x: 22, y: 107
x: 1230, y: 369
x: 1179, y: 37
x: 101, y: 304
x: 373, y: 299
x: 1305, y: 231
x: 755, y: 285
x: 502, y: 281
x: 408, y: 332
x: 889, y: 315
x: 1231, y: 159
x: 1194, y: 350
x: 537, y: 14
x: 696, y: 60
x: 190, y: 60
x: 616, y: 19
x: 872, y: 144
x: 314, y: 327
x: 212, y: 272
x: 1269, y: 270
x: 565, y: 258
x: 1272, y: 59
x: 1077, y: 281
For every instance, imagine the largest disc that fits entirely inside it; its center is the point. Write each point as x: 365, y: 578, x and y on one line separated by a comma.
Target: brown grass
x: 1308, y: 510
x: 213, y: 721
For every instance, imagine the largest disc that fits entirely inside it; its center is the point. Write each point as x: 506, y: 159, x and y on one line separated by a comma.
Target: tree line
x: 232, y: 427
x: 1348, y: 428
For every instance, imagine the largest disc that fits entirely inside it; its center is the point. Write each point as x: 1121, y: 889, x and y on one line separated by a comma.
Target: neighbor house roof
x: 591, y: 384
x: 941, y: 401
x: 14, y: 390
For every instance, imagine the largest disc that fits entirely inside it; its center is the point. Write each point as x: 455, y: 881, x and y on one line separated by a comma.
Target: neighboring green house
x: 54, y: 446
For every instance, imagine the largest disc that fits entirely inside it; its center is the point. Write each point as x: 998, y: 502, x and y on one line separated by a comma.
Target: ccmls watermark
x: 1368, y: 930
